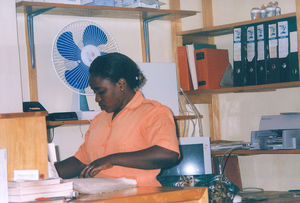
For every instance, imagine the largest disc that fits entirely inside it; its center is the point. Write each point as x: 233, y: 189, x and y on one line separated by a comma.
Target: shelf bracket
x: 146, y: 33
x: 30, y: 31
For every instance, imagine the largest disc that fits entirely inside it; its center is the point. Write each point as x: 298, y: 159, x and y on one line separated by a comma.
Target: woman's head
x: 114, y: 78
x: 114, y: 66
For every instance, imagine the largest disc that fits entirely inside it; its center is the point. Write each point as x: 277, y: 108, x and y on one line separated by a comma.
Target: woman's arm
x: 151, y: 158
x: 69, y: 168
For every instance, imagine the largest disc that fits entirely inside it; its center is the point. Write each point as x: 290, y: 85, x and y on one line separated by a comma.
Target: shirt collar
x: 136, y: 101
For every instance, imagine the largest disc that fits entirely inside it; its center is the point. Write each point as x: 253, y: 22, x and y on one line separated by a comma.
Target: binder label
x: 260, y: 42
x: 237, y: 44
x: 293, y: 42
x: 250, y: 43
x: 273, y: 40
x: 283, y: 40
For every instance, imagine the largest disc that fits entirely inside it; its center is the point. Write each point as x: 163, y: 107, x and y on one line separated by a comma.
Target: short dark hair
x: 114, y: 66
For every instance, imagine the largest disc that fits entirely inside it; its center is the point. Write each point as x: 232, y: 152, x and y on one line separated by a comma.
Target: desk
x: 149, y: 195
x: 271, y: 197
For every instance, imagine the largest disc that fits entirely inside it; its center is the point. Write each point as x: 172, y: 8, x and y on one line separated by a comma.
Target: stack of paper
x: 22, y: 191
x: 3, y: 176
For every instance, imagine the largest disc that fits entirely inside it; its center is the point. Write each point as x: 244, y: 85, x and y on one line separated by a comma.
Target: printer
x: 277, y: 132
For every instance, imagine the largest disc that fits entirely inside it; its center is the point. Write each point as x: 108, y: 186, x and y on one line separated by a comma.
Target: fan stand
x: 79, y: 103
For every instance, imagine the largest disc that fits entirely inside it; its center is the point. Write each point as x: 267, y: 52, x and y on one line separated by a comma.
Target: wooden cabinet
x: 24, y: 135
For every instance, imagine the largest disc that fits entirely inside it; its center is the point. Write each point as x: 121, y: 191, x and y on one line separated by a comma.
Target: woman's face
x: 107, y: 94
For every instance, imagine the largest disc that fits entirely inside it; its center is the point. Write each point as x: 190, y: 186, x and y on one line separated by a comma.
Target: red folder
x: 210, y: 66
x: 183, y: 67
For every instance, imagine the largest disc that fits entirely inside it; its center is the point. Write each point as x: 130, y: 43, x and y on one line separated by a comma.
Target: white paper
x: 102, y: 185
x: 237, y: 45
x: 260, y: 42
x: 52, y: 153
x: 283, y: 40
x: 237, y: 52
x: 3, y: 176
x: 250, y: 43
x: 273, y: 48
x: 283, y: 47
x: 192, y: 65
x: 293, y: 41
x: 260, y: 50
x: 250, y: 51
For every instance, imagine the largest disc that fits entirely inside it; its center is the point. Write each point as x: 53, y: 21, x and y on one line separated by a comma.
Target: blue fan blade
x: 78, y: 77
x: 94, y: 36
x: 67, y: 47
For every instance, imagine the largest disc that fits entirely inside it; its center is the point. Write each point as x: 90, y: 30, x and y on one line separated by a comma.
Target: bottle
x: 270, y: 9
x: 277, y: 9
x: 263, y: 11
x: 255, y: 13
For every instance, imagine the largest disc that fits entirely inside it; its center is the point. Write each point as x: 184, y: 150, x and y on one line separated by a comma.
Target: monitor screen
x: 195, y: 158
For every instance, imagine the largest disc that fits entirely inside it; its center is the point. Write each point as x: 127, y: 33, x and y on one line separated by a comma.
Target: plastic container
x: 255, y: 13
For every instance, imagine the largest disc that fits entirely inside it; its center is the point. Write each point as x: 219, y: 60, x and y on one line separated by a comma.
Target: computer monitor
x: 195, y: 158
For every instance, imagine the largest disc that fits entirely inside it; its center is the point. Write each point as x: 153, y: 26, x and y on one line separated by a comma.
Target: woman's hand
x: 96, y: 166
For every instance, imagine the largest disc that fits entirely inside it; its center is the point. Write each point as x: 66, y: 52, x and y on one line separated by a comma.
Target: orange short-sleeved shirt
x: 141, y: 124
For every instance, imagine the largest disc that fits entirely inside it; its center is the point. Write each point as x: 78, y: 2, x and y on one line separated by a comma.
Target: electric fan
x: 74, y: 49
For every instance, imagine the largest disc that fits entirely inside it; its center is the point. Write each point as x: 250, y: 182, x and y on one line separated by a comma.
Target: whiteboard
x: 161, y: 84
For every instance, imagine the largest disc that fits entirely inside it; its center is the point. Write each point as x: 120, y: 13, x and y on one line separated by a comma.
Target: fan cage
x: 61, y: 64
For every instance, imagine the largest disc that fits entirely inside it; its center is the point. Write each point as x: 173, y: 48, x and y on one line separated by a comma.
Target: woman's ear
x: 122, y: 84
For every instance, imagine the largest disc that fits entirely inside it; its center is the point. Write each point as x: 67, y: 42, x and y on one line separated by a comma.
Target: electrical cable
x: 51, y: 136
x: 195, y: 110
x: 228, y: 153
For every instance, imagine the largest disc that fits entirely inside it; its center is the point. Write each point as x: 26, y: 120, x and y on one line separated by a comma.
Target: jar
x: 255, y: 13
x: 262, y: 13
x: 277, y: 11
x: 270, y: 11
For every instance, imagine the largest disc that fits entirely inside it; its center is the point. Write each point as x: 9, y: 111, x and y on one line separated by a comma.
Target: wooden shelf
x: 227, y: 28
x: 254, y: 88
x: 257, y: 152
x: 53, y: 124
x: 104, y: 11
x: 23, y: 114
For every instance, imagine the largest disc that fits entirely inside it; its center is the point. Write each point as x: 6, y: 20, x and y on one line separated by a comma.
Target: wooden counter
x: 24, y: 135
x: 149, y: 195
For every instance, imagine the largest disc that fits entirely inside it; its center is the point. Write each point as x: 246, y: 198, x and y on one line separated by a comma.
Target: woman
x: 132, y: 137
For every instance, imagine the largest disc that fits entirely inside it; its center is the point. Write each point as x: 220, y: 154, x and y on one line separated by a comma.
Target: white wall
x: 10, y: 82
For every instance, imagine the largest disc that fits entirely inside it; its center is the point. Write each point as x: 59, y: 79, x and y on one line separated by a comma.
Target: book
x: 198, y: 45
x: 20, y: 191
x: 183, y: 68
x: 33, y: 183
x: 210, y: 66
x: 192, y: 65
x: 3, y: 176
